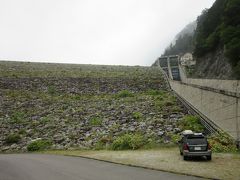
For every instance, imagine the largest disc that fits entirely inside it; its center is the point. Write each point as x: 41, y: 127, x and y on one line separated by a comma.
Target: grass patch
x: 222, y: 142
x: 95, y: 121
x: 39, y: 145
x: 17, y: 117
x: 124, y: 94
x: 192, y: 123
x: 100, y: 145
x: 175, y: 137
x: 128, y: 141
x: 22, y: 132
x: 12, y: 138
x: 153, y: 92
x: 165, y: 101
x: 51, y: 90
x: 137, y: 115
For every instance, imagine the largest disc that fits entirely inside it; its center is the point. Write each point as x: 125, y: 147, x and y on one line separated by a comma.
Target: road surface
x: 53, y: 167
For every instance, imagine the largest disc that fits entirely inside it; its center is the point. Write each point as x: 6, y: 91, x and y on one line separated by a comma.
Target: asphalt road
x: 53, y: 167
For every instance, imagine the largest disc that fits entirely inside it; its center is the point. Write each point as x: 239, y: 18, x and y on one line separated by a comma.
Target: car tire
x: 185, y: 158
x: 209, y: 158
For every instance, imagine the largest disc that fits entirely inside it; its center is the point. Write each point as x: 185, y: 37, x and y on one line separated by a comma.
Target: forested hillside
x: 219, y: 27
x: 215, y: 42
x: 184, y: 41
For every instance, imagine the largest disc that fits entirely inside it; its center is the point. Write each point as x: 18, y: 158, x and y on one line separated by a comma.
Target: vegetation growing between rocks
x: 84, y: 106
x: 13, y: 138
x: 192, y: 123
x: 222, y: 142
x: 93, y: 112
x: 124, y: 94
x: 137, y: 115
x: 39, y: 145
x: 96, y: 121
x: 128, y: 141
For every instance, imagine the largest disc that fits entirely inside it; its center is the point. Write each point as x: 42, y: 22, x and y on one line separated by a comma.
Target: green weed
x: 96, y: 121
x: 222, y: 142
x: 128, y: 141
x: 124, y: 94
x: 137, y: 115
x: 153, y: 92
x: 17, y: 117
x: 13, y: 138
x: 39, y: 145
x: 192, y: 123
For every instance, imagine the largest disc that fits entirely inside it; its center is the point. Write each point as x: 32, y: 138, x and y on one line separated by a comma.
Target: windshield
x: 196, y: 140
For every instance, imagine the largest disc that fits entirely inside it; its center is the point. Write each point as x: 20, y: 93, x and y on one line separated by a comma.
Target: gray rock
x: 6, y: 148
x: 176, y: 130
x: 58, y: 147
x: 58, y: 138
x: 14, y: 146
x: 132, y: 128
x: 170, y: 128
x: 150, y: 127
x: 160, y: 133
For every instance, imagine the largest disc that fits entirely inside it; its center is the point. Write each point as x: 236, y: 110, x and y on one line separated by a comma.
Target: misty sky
x: 126, y: 32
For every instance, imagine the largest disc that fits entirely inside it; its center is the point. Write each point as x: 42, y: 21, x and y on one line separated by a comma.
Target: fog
x: 125, y: 32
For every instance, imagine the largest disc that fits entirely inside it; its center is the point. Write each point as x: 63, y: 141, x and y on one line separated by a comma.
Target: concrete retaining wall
x: 224, y: 85
x: 220, y: 107
x: 218, y: 100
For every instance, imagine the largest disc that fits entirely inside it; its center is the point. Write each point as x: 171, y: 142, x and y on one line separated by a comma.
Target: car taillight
x: 209, y: 146
x: 185, y: 147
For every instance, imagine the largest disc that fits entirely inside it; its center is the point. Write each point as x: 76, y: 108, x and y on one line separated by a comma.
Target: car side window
x: 184, y: 139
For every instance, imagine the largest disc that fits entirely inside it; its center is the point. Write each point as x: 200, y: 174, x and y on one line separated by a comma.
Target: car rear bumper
x: 200, y: 153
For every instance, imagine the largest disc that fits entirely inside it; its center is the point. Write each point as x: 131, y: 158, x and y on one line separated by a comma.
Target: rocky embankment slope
x: 78, y: 106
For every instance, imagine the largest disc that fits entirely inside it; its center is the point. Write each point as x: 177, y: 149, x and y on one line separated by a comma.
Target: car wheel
x: 209, y: 158
x: 185, y: 158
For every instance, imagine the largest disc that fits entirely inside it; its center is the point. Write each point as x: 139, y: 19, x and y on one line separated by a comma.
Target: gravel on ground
x: 222, y: 166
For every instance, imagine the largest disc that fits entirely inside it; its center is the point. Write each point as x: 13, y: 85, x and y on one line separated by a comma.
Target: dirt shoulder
x: 222, y: 166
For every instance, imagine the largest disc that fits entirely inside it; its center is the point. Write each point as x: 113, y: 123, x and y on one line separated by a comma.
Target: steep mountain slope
x: 215, y: 42
x: 218, y: 40
x: 183, y: 41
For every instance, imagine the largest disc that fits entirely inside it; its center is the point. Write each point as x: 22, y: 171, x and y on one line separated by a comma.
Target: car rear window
x: 196, y: 140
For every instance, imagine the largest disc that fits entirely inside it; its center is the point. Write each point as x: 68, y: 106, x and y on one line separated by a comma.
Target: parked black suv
x: 194, y: 144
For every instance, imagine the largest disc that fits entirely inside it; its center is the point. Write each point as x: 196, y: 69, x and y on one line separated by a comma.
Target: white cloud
x: 129, y: 32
